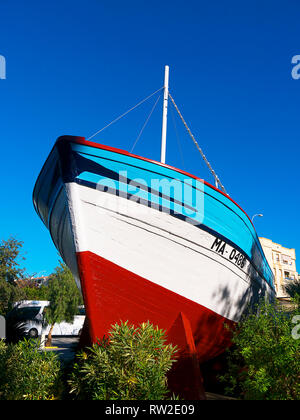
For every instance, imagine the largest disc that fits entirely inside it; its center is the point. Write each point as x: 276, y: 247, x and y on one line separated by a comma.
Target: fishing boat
x: 146, y: 241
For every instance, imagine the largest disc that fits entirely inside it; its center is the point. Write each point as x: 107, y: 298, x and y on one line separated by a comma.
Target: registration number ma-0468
x: 222, y: 248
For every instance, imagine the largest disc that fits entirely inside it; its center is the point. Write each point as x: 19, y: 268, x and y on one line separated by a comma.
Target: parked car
x: 31, y: 315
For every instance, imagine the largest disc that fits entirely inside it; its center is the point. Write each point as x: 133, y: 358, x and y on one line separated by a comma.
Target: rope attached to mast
x: 125, y: 113
x: 217, y: 179
x: 146, y: 122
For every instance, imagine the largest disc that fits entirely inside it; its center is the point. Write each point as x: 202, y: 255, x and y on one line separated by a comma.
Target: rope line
x: 217, y: 179
x: 177, y: 137
x: 146, y: 122
x: 125, y: 113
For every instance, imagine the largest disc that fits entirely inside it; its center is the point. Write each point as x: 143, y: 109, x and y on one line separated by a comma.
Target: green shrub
x: 130, y: 365
x: 2, y: 364
x: 27, y: 373
x: 264, y: 363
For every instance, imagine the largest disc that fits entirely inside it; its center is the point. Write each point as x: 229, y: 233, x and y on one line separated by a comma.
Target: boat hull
x: 148, y: 242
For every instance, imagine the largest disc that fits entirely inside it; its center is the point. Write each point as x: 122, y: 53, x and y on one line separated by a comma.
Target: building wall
x: 283, y: 263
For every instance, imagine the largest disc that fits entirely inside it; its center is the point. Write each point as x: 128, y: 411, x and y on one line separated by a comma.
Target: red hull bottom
x: 113, y: 294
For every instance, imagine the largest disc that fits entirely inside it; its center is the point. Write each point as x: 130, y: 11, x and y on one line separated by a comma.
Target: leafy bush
x: 130, y: 365
x: 2, y: 365
x: 264, y: 363
x: 27, y: 373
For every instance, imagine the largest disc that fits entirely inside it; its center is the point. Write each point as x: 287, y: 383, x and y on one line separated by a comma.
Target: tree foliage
x: 64, y: 298
x: 293, y: 289
x: 264, y: 363
x: 9, y: 294
x: 10, y: 253
x: 130, y: 365
x: 10, y: 271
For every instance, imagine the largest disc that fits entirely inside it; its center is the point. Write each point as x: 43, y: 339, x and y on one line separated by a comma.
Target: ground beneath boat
x: 65, y: 347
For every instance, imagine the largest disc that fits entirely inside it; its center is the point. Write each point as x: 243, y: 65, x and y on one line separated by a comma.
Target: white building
x: 283, y: 263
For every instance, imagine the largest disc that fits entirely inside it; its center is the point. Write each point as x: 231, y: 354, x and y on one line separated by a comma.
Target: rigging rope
x: 125, y: 113
x: 177, y: 137
x: 146, y: 122
x: 217, y: 179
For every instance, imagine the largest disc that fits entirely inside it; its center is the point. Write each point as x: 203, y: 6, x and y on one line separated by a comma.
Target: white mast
x: 165, y: 112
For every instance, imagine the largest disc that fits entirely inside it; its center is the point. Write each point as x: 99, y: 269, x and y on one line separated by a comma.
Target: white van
x: 31, y: 312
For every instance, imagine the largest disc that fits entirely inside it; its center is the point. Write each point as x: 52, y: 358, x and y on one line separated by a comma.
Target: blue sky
x: 74, y: 66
